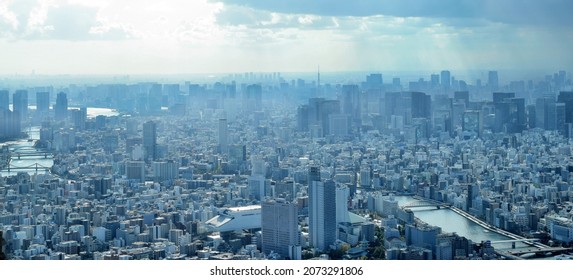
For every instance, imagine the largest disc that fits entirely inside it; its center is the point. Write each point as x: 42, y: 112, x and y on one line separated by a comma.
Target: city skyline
x: 108, y: 37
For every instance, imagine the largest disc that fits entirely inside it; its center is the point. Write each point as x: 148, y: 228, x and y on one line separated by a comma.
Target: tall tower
x: 150, y: 140
x: 42, y: 101
x: 61, y: 110
x: 445, y: 80
x: 492, y: 80
x: 279, y: 226
x: 20, y: 104
x: 223, y: 136
x: 4, y: 99
x: 322, y: 214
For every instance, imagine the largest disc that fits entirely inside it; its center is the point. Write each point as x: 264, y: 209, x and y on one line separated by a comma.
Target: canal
x: 450, y: 221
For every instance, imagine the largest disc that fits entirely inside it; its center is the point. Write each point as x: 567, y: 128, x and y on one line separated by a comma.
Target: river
x: 450, y: 221
x: 34, y: 134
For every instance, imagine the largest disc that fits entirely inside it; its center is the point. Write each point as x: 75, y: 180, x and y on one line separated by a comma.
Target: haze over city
x: 80, y: 37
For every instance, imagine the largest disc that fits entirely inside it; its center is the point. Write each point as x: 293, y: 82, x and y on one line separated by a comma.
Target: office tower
x: 279, y: 226
x: 421, y: 105
x: 20, y: 104
x: 135, y: 170
x: 560, y: 116
x: 61, y: 108
x: 492, y: 80
x: 502, y: 96
x: 350, y: 102
x: 223, y: 136
x: 154, y: 99
x: 171, y: 91
x: 422, y: 235
x: 405, y: 106
x: 545, y: 113
x: 150, y: 140
x: 79, y: 118
x: 302, y: 118
x: 342, y: 196
x: 101, y: 186
x: 313, y: 174
x: 256, y: 186
x: 396, y: 84
x: 509, y: 112
x: 339, y: 125
x: 252, y: 100
x: 42, y: 101
x: 462, y: 96
x: 445, y: 80
x: 4, y: 100
x: 531, y: 115
x: 165, y: 170
x: 566, y: 97
x: 434, y: 81
x: 325, y: 109
x: 322, y: 213
x: 517, y: 120
x: 10, y: 124
x: 374, y: 81
x: 472, y: 123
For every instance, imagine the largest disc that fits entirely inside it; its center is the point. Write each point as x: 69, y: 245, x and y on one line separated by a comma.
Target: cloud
x: 46, y: 20
x: 549, y: 12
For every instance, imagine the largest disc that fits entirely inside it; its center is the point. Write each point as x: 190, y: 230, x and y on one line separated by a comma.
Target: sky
x: 83, y: 37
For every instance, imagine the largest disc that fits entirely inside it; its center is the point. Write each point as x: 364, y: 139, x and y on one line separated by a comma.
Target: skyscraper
x: 223, y: 136
x: 4, y: 99
x: 445, y: 80
x: 350, y: 102
x: 20, y: 103
x: 150, y: 140
x: 322, y: 213
x: 279, y: 226
x: 492, y: 80
x: 252, y: 100
x: 61, y: 109
x: 42, y: 101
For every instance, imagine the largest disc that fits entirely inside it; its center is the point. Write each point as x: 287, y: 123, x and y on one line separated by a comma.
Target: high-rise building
x: 61, y: 108
x: 165, y: 170
x: 20, y: 104
x: 462, y: 96
x: 374, y: 81
x: 350, y: 102
x: 545, y: 113
x: 279, y: 227
x: 135, y: 170
x: 154, y: 99
x: 322, y: 214
x: 150, y: 140
x: 79, y: 117
x: 302, y: 118
x: 223, y: 136
x: 252, y: 100
x: 566, y: 97
x: 445, y: 80
x: 339, y: 125
x: 4, y: 99
x: 492, y: 80
x: 472, y: 123
x: 10, y: 124
x: 42, y: 101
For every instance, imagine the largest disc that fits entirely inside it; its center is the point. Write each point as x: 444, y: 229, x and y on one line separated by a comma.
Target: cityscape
x: 258, y: 130
x: 258, y: 166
